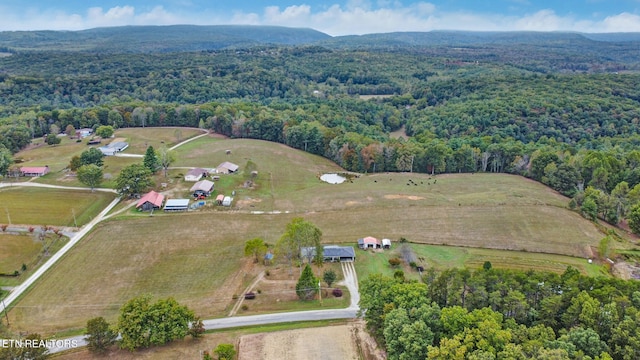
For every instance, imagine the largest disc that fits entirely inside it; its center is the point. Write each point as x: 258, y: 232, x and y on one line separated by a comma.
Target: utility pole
x: 8, y: 216
x: 320, y: 292
x: 412, y: 156
x: 5, y: 311
x: 75, y: 223
x: 305, y: 145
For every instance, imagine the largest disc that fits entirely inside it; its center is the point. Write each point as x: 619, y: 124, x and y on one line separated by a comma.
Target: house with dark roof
x: 150, y: 201
x: 34, y: 170
x: 330, y: 253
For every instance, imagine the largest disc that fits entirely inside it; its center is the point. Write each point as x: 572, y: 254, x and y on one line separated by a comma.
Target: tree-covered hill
x: 146, y: 39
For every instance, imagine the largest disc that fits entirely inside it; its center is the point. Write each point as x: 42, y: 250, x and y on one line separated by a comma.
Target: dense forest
x: 503, y: 314
x: 563, y: 109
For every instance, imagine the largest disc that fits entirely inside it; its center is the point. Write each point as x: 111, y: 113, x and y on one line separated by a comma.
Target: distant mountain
x: 174, y: 38
x: 178, y: 38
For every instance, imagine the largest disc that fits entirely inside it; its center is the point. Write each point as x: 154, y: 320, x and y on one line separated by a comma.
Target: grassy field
x: 16, y: 250
x: 27, y: 249
x: 141, y: 138
x: 54, y: 207
x: 197, y: 257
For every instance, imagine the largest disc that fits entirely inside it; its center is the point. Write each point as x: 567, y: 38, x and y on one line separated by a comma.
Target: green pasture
x: 53, y: 207
x: 443, y: 257
x: 141, y: 138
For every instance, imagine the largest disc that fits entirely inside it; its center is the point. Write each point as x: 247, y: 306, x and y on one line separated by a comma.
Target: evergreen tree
x: 151, y: 160
x: 307, y: 285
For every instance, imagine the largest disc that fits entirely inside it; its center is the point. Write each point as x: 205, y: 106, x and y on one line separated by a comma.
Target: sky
x: 334, y: 17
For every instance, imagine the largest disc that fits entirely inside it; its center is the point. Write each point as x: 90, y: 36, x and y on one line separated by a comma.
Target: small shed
x: 386, y: 243
x: 227, y: 201
x: 202, y: 187
x: 34, y: 170
x: 227, y: 168
x: 196, y: 174
x: 369, y: 242
x: 219, y: 199
x: 176, y: 205
x: 150, y: 201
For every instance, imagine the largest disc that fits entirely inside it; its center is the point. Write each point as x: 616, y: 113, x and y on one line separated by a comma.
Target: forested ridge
x: 562, y: 109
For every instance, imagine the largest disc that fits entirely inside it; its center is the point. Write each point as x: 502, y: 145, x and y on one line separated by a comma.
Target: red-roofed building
x: 34, y: 170
x: 150, y: 201
x: 369, y: 242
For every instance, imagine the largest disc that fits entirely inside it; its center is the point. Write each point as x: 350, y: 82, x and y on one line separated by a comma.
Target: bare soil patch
x: 346, y: 342
x: 400, y: 196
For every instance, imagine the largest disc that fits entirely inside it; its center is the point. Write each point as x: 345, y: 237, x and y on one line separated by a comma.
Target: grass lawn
x: 444, y: 257
x: 41, y: 206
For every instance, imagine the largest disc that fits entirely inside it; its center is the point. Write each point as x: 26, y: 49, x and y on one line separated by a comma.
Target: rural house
x: 34, y: 170
x: 196, y: 174
x: 150, y: 201
x: 113, y: 148
x: 227, y: 168
x: 84, y: 132
x: 202, y: 187
x: 369, y: 242
x: 331, y: 253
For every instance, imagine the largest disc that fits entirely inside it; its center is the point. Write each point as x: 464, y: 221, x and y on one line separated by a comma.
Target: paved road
x: 350, y: 281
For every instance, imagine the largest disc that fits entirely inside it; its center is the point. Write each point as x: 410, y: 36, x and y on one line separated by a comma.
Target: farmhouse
x: 202, y: 187
x: 196, y: 174
x: 369, y: 242
x: 227, y: 168
x: 34, y: 170
x: 150, y: 201
x: 331, y: 253
x: 113, y: 148
x: 176, y: 205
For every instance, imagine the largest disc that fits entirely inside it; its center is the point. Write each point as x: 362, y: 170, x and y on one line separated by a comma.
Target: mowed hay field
x: 140, y: 138
x: 54, y: 207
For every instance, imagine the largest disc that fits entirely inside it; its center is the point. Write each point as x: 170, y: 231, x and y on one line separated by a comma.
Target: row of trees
x: 493, y: 313
x: 143, y: 323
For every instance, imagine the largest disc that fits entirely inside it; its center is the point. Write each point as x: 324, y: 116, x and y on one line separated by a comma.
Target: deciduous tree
x: 134, y: 179
x: 92, y: 156
x: 90, y: 175
x: 255, y: 247
x: 105, y: 131
x: 99, y: 335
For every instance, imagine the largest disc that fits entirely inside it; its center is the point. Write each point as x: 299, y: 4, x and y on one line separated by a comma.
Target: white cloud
x: 356, y: 17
